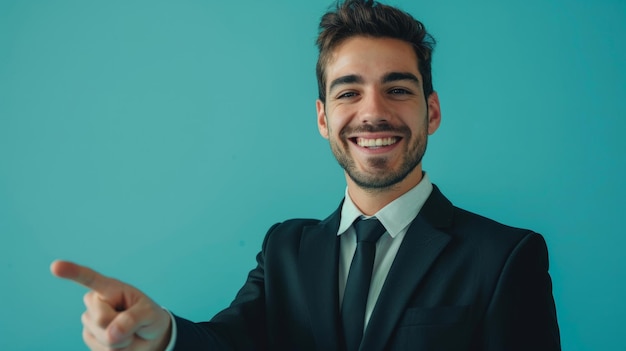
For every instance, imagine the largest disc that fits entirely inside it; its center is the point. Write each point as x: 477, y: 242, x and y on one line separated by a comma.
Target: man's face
x: 375, y: 116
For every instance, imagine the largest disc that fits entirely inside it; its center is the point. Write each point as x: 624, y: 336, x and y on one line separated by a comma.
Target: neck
x: 369, y: 201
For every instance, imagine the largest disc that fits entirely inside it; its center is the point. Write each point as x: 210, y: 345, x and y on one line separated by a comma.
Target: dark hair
x: 370, y: 18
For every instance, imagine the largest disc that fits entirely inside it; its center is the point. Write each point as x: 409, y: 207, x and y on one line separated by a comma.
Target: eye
x: 346, y: 95
x: 399, y: 91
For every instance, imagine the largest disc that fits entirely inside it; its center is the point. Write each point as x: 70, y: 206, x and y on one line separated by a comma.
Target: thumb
x: 144, y: 319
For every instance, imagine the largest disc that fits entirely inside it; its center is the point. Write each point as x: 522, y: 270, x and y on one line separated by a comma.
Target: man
x: 439, y: 278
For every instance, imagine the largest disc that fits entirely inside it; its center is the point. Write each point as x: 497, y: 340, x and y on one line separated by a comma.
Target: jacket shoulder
x: 489, y: 234
x: 288, y: 231
x: 470, y: 220
x: 292, y: 226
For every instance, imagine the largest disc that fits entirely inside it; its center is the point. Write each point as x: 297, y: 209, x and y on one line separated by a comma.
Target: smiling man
x: 377, y: 117
x: 395, y: 267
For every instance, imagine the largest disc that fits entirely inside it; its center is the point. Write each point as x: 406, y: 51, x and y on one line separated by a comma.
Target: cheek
x: 333, y: 126
x: 338, y: 120
x: 418, y: 121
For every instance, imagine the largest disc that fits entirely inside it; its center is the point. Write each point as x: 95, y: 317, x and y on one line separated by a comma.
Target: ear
x: 434, y: 113
x: 321, y: 119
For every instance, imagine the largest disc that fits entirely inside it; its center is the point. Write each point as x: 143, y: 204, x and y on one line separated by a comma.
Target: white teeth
x: 376, y: 142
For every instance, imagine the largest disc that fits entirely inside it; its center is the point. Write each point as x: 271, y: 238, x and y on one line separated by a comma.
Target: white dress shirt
x: 395, y: 217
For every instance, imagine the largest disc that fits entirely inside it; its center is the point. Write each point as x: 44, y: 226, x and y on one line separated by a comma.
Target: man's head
x: 371, y: 19
x: 376, y: 107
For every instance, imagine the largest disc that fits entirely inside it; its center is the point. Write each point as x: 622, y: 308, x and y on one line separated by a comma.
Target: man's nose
x: 374, y: 109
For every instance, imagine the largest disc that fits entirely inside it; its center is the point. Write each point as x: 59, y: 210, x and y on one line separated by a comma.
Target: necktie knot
x: 369, y: 230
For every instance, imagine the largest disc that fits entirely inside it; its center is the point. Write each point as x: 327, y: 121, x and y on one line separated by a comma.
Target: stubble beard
x: 383, y: 177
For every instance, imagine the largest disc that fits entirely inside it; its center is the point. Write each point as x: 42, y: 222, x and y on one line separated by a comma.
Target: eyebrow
x: 388, y: 78
x: 397, y: 76
x: 349, y: 79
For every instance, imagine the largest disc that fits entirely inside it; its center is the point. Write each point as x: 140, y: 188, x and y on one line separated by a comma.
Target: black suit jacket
x: 459, y: 282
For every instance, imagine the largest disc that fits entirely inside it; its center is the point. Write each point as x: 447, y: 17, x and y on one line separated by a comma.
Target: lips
x: 371, y: 143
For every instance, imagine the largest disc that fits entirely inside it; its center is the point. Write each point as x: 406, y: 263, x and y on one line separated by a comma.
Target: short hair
x: 369, y: 18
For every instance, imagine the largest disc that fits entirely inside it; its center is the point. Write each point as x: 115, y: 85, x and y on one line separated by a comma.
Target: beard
x: 381, y: 175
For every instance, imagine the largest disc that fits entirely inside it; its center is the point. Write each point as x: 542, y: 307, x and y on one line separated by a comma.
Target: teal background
x: 157, y: 141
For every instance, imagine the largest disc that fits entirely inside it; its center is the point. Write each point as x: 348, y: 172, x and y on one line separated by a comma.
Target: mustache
x: 370, y: 128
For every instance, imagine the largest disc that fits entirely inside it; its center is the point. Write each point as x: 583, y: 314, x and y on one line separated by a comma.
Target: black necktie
x: 368, y: 231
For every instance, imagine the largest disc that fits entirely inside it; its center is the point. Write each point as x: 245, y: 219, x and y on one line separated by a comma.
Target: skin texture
x: 375, y: 92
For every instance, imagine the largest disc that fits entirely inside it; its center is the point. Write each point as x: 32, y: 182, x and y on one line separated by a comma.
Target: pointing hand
x: 118, y: 315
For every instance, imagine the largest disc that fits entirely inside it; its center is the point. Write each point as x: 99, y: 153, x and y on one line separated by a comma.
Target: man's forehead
x: 360, y: 55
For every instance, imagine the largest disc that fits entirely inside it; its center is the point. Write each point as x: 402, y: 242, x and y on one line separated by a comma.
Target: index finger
x: 82, y: 275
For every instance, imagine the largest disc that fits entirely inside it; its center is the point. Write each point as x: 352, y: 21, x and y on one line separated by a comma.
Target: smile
x: 376, y: 143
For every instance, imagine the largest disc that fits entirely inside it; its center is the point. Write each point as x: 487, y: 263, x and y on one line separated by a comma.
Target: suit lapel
x: 422, y: 244
x: 318, y: 267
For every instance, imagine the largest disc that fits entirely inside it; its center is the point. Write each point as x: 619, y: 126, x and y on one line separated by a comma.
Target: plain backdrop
x: 156, y: 141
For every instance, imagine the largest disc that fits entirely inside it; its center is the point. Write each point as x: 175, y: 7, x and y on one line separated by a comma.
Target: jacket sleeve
x: 522, y: 314
x: 241, y: 326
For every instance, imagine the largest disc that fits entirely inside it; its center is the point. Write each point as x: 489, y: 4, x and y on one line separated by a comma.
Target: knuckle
x: 90, y: 299
x: 87, y: 298
x: 95, y: 318
x: 84, y: 318
x: 89, y: 339
x: 100, y: 320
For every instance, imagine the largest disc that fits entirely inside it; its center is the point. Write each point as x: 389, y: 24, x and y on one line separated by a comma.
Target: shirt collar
x: 397, y: 215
